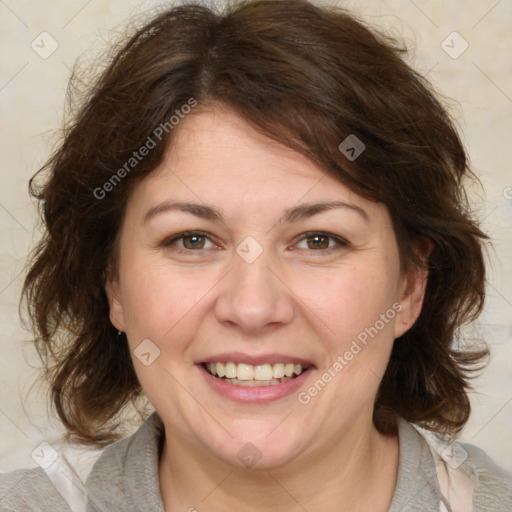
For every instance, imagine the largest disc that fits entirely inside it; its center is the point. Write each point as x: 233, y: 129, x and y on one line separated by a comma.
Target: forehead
x: 222, y: 141
x: 216, y: 157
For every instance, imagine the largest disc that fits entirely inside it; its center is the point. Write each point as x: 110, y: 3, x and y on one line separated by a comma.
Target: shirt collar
x: 130, y: 468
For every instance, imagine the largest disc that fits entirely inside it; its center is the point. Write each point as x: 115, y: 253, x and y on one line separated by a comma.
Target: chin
x: 265, y: 452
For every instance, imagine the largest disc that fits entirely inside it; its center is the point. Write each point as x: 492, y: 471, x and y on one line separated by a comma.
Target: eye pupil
x: 194, y: 244
x: 319, y: 241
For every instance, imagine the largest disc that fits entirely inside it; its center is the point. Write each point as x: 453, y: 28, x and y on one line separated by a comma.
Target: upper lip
x: 240, y: 357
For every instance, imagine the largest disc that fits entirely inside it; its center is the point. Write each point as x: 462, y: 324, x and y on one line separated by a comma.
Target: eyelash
x: 341, y: 243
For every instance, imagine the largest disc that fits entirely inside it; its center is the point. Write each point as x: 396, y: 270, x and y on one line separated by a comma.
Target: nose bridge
x: 251, y: 296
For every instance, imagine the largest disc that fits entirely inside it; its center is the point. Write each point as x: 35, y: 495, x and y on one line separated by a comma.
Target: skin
x: 295, y: 298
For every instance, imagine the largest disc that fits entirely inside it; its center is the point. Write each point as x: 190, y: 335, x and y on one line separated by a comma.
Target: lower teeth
x: 254, y: 383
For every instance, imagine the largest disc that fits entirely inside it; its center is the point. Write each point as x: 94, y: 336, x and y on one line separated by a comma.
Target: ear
x: 114, y: 302
x: 412, y: 289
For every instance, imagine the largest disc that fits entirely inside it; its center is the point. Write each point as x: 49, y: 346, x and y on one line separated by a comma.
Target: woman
x: 257, y: 220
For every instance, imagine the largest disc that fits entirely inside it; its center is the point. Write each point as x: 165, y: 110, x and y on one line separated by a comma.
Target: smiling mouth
x: 242, y: 374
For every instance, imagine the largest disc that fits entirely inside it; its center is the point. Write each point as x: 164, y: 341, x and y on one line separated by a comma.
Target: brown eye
x: 193, y: 241
x: 321, y: 242
x: 189, y: 241
x: 318, y: 242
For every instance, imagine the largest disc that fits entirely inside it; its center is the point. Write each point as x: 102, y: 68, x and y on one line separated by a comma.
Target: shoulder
x: 130, y: 466
x: 460, y: 474
x: 493, y: 484
x: 28, y: 490
x: 111, y: 475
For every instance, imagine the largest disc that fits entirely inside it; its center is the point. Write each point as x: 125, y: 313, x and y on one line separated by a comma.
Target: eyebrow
x: 294, y: 214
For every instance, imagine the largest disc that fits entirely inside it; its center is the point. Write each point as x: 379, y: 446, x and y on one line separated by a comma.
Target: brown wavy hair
x: 307, y: 77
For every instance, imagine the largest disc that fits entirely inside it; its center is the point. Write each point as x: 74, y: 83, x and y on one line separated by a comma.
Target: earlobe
x: 115, y: 306
x: 412, y: 293
x: 411, y: 301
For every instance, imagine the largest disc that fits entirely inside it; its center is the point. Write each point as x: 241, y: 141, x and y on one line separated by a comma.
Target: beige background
x: 32, y: 93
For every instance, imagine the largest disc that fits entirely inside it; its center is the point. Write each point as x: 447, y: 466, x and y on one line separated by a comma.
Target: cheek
x: 160, y: 303
x: 348, y: 300
x: 348, y: 304
x: 354, y: 317
x: 165, y: 307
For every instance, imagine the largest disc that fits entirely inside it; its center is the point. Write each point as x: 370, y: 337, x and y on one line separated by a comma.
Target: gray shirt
x: 125, y: 478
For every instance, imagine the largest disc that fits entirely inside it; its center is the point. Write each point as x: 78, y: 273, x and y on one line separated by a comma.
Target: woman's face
x: 282, y: 265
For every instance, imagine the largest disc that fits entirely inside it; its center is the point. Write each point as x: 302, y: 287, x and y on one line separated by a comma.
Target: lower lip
x: 256, y: 394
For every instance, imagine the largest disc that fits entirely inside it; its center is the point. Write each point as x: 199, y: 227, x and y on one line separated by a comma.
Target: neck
x: 357, y: 472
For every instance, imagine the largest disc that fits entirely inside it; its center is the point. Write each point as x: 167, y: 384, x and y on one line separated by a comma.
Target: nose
x: 253, y: 297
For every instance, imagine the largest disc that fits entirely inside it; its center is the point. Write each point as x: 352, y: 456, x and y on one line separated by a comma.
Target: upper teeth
x: 242, y: 371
